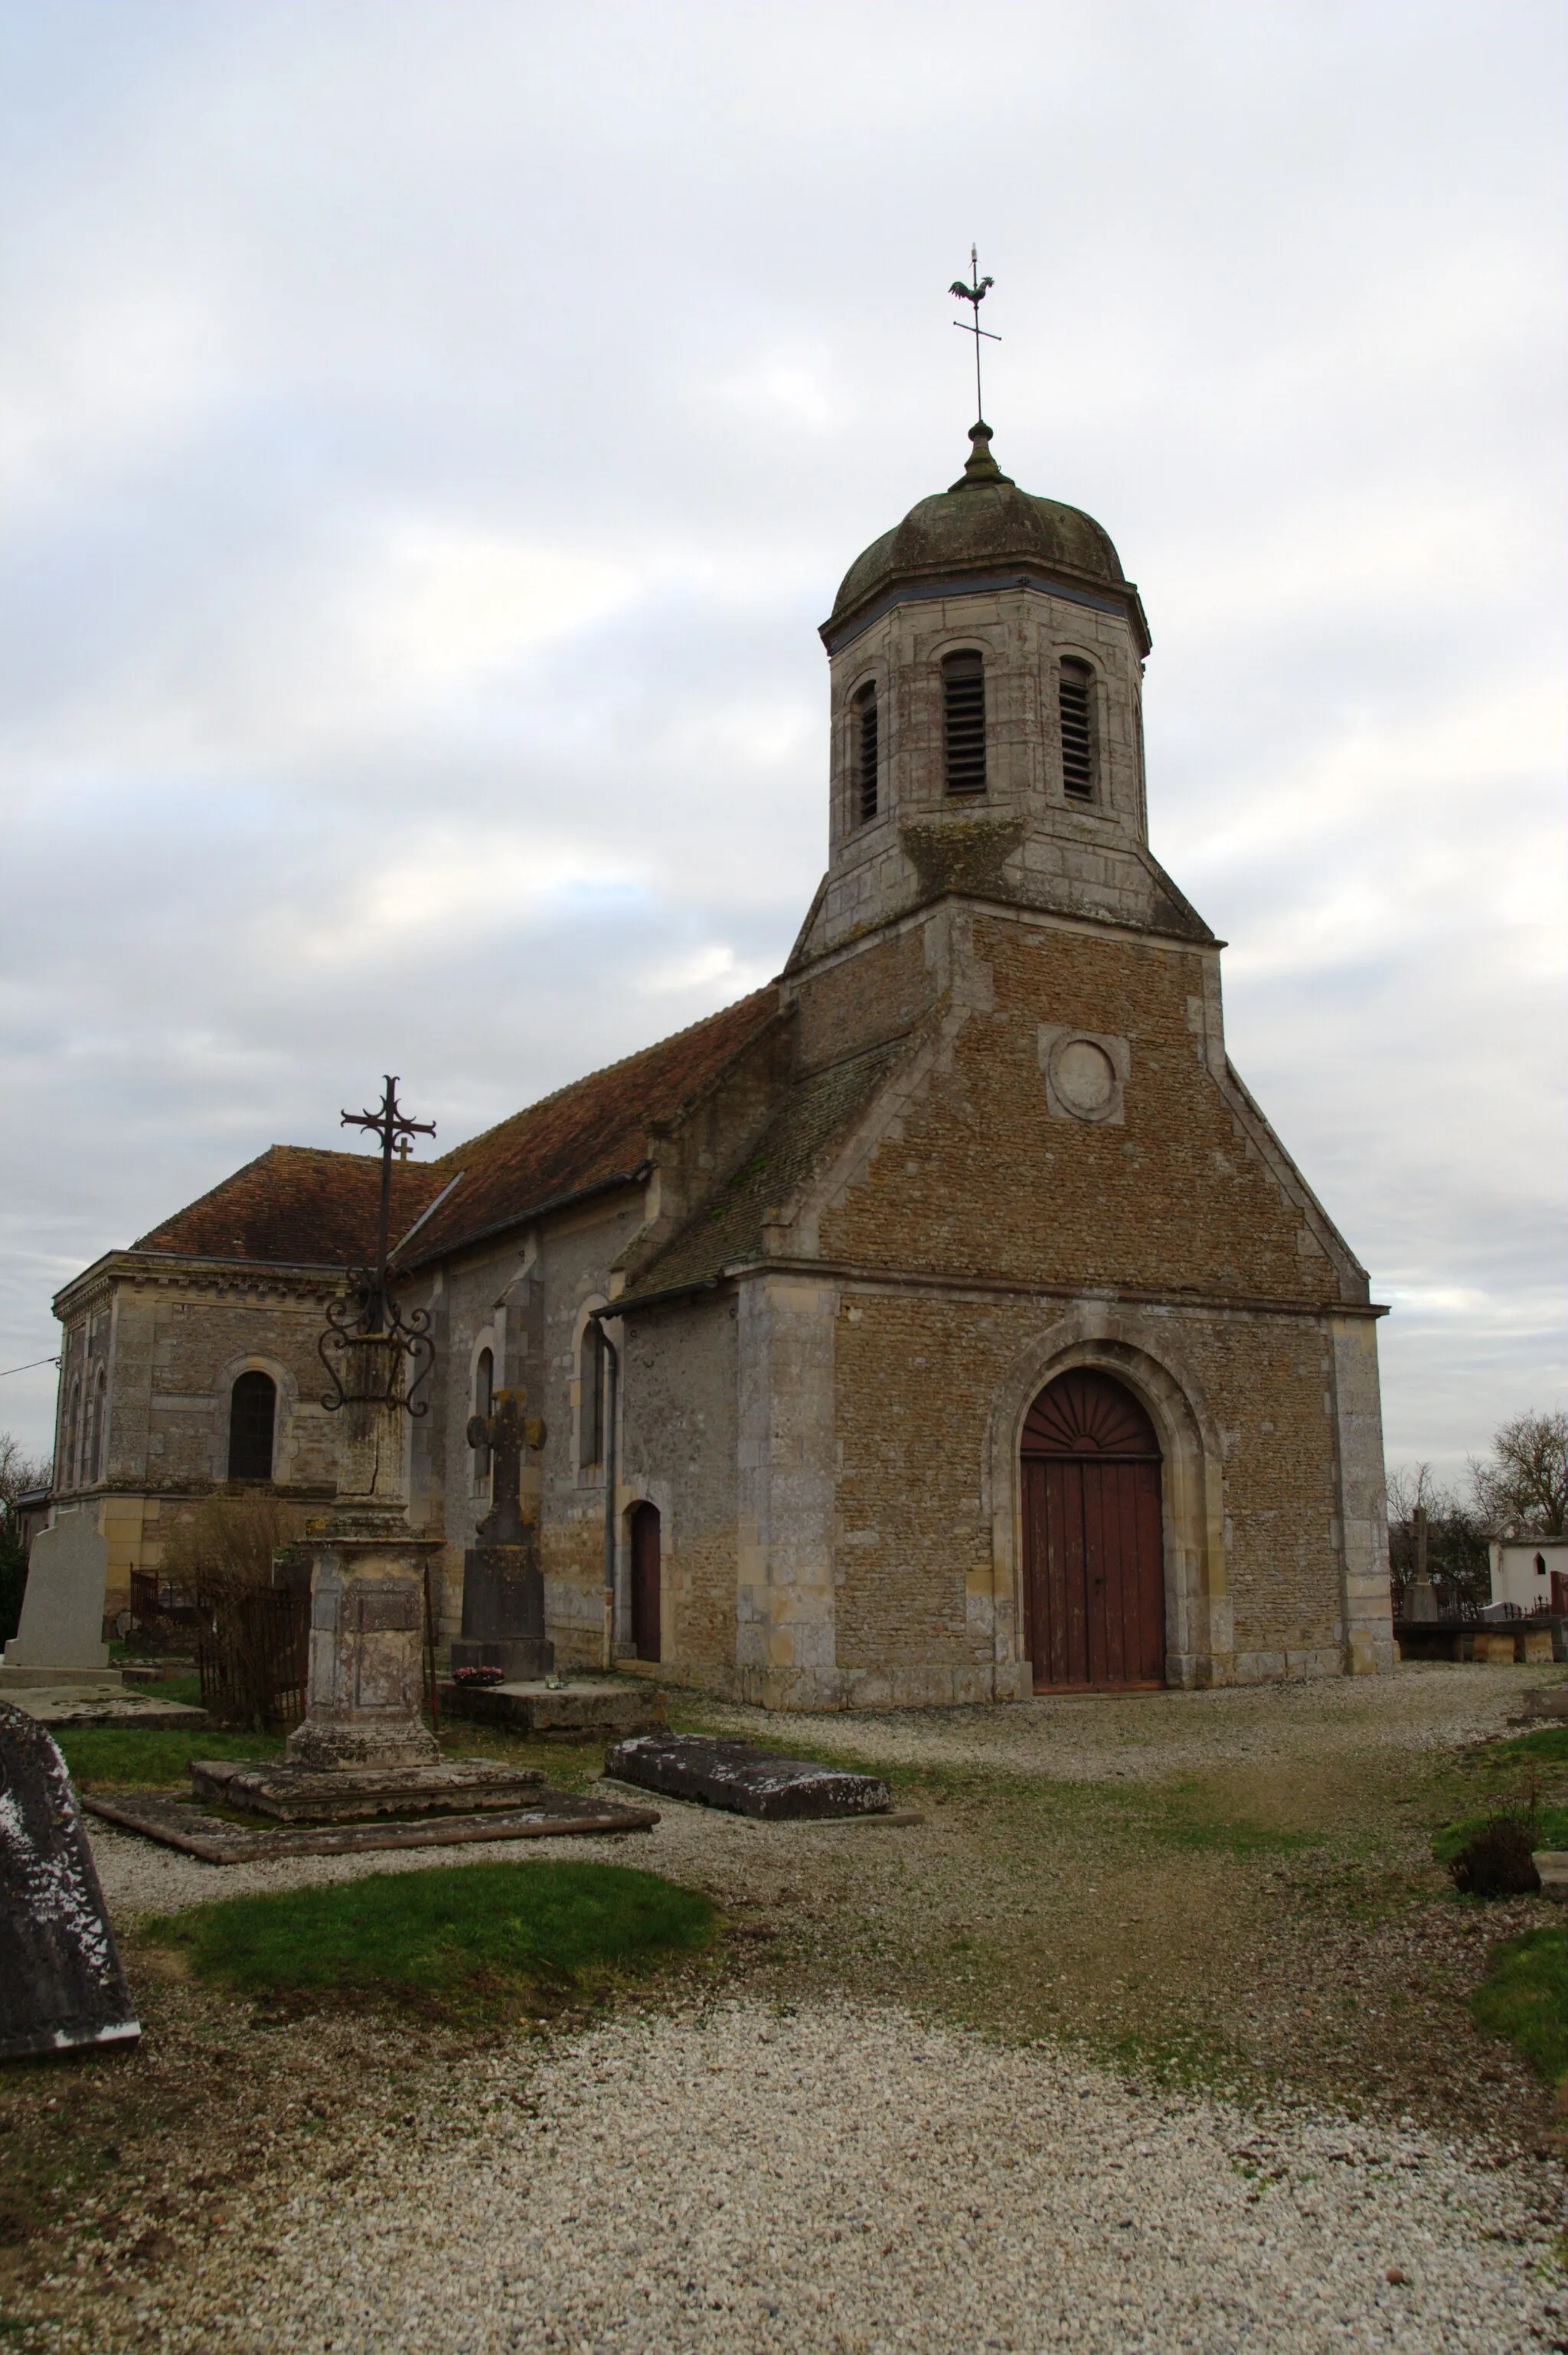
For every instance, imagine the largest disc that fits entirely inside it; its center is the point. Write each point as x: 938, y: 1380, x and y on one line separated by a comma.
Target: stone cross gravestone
x: 61, y: 1986
x: 504, y: 1582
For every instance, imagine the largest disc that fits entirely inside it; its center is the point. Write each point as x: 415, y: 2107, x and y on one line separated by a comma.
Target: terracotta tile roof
x: 808, y: 1124
x: 594, y: 1130
x: 295, y: 1205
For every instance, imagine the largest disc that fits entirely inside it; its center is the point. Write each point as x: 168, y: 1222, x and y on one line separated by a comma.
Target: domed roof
x: 982, y: 523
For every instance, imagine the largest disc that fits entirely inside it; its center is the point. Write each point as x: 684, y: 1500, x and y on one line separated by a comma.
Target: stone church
x: 967, y: 1331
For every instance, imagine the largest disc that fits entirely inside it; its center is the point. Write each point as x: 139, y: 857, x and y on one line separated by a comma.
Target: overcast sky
x: 431, y: 435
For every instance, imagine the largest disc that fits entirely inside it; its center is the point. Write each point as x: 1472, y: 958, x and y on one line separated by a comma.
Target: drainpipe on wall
x: 611, y: 1402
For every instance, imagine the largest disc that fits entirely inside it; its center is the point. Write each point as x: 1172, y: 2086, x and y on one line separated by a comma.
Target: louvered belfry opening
x: 1075, y: 702
x: 963, y: 722
x: 866, y: 751
x: 1093, y: 1551
x: 252, y: 1412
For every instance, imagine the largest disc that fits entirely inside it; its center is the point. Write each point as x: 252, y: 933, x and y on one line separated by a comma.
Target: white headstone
x: 62, y: 1607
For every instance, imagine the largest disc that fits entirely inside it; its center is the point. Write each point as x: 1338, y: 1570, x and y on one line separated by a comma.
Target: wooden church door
x: 645, y: 1596
x: 1093, y: 1556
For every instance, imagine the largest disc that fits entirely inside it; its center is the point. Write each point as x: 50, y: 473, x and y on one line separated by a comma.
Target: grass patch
x: 1549, y: 1743
x: 1188, y: 1813
x: 115, y: 1757
x: 463, y: 1940
x: 1524, y: 1997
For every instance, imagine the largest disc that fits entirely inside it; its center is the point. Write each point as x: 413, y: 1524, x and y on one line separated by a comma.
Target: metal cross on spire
x: 975, y: 294
x: 392, y: 1125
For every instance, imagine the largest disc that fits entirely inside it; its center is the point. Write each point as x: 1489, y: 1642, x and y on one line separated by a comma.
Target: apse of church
x: 971, y: 1332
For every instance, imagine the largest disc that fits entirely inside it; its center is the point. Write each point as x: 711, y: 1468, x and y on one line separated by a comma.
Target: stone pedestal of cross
x: 503, y: 1581
x: 365, y: 1685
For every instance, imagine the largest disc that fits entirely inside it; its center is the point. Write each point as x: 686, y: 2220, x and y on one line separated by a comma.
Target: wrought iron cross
x: 975, y: 294
x: 392, y: 1125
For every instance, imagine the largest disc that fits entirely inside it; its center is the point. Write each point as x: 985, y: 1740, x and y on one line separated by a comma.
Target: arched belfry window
x: 252, y: 1415
x: 1075, y: 701
x: 963, y: 722
x: 866, y: 752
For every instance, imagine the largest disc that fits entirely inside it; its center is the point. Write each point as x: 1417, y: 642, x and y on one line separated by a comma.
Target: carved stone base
x: 367, y: 1623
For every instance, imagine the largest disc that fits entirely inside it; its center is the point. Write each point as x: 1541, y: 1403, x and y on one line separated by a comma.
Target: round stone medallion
x: 1083, y: 1078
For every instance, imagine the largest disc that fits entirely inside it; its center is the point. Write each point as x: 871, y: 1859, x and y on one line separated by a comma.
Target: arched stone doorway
x: 646, y: 1599
x: 1093, y: 1551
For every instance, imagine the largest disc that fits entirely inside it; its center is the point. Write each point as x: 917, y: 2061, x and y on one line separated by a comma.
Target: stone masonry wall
x: 917, y: 1378
x: 980, y: 1174
x: 680, y: 1442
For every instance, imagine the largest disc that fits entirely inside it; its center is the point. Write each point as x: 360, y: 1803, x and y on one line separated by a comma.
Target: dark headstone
x: 503, y: 1611
x: 503, y: 1583
x: 743, y: 1779
x: 61, y: 1985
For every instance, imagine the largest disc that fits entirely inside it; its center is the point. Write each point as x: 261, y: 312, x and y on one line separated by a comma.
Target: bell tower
x: 987, y: 739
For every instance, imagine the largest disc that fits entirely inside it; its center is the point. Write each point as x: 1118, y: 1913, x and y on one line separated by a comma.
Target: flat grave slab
x: 1543, y: 1701
x: 50, y: 1706
x: 577, y: 1706
x: 177, y: 1821
x: 24, y: 1678
x: 303, y: 1795
x: 745, y: 1779
x: 61, y: 1986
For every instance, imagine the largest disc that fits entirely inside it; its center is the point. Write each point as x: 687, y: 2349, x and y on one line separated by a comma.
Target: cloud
x: 429, y: 441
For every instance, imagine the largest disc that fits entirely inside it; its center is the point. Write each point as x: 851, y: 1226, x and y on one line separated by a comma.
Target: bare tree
x: 1525, y: 1478
x: 1456, y: 1557
x: 19, y: 1472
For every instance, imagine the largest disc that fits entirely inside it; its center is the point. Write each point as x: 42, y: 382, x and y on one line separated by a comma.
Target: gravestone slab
x: 178, y: 1821
x: 61, y: 1986
x: 571, y: 1709
x: 741, y: 1777
x: 297, y: 1794
x: 61, y: 1628
x: 56, y: 1705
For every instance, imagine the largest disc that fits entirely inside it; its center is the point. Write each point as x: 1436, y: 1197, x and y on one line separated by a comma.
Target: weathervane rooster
x: 975, y: 295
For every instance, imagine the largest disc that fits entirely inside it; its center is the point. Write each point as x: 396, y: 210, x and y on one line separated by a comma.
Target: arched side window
x: 1075, y: 702
x: 252, y: 1415
x: 73, y: 1436
x: 1540, y: 1565
x: 866, y: 752
x: 963, y: 722
x: 99, y: 1415
x: 590, y: 1397
x: 484, y: 1405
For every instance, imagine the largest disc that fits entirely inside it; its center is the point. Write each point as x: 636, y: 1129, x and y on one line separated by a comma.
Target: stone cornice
x: 171, y: 1271
x: 987, y: 1287
x: 989, y: 578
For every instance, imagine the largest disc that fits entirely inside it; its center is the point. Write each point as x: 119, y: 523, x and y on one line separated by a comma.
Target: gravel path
x: 1094, y: 1737
x: 839, y: 2180
x: 794, y: 2170
x: 1097, y: 1737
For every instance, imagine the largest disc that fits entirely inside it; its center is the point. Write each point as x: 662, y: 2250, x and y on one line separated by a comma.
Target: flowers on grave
x: 472, y: 1677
